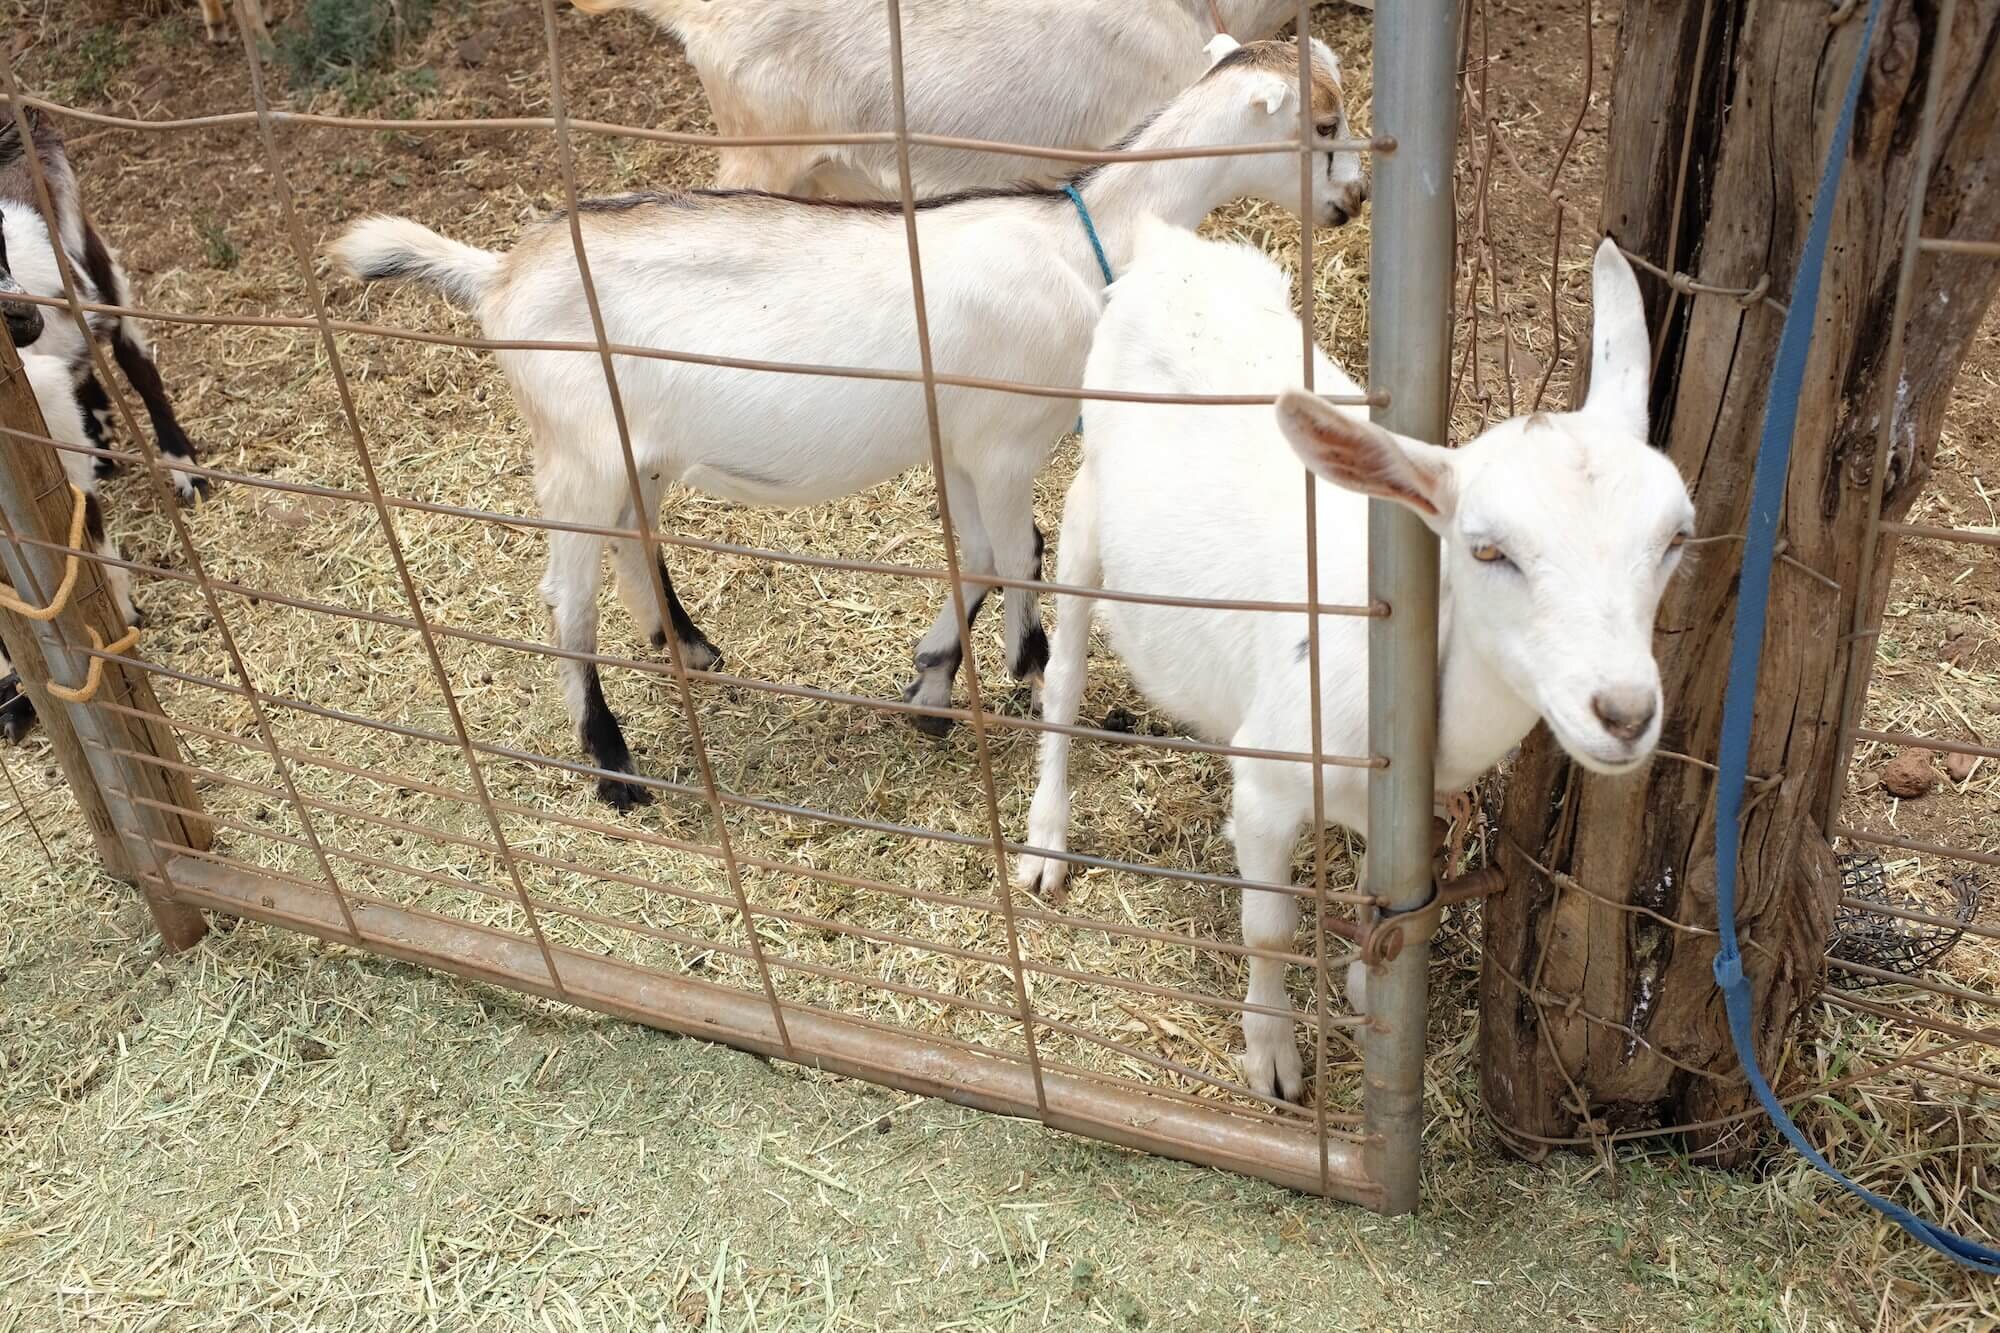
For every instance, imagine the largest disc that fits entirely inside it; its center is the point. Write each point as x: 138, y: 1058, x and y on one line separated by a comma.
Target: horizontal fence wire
x: 1081, y: 156
x: 514, y: 520
x: 647, y: 353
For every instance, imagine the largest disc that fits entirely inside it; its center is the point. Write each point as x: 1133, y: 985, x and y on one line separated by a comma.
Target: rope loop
x: 11, y: 600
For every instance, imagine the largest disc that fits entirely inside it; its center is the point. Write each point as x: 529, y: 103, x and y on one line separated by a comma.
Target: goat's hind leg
x: 1007, y: 507
x: 635, y: 589
x: 942, y: 649
x: 569, y: 586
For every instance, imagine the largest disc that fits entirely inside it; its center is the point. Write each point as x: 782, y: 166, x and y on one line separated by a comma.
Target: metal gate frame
x: 120, y: 752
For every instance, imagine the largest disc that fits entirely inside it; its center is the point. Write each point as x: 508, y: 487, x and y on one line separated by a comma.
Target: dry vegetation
x: 273, y: 1133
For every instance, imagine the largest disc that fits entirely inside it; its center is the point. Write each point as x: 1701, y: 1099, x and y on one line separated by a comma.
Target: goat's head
x: 1560, y: 532
x: 1261, y: 81
x: 24, y: 322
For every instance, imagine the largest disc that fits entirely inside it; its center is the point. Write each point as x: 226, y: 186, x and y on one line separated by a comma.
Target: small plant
x: 215, y: 243
x: 102, y: 55
x: 334, y: 40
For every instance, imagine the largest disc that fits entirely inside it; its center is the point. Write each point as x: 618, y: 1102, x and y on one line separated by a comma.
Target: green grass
x: 335, y: 41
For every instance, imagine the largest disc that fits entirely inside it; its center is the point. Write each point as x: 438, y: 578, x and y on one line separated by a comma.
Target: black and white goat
x: 1013, y: 290
x: 28, y: 264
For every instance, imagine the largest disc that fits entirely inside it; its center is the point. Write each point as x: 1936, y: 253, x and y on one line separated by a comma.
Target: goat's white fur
x: 1062, y: 73
x: 1013, y: 292
x: 1206, y: 502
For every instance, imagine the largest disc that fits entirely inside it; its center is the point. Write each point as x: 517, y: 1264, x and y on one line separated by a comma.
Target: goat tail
x: 392, y: 248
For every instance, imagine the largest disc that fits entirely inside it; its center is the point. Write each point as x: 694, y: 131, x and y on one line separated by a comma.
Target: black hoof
x: 105, y: 467
x: 700, y: 655
x: 934, y: 727
x: 1033, y: 657
x: 622, y: 796
x: 197, y: 490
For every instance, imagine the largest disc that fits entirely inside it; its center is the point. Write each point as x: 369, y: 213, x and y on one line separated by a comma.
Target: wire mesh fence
x: 366, y: 723
x: 347, y: 730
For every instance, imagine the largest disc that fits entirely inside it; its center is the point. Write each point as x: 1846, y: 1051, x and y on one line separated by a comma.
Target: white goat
x: 55, y: 392
x: 1559, y: 533
x: 1013, y: 291
x: 1065, y: 73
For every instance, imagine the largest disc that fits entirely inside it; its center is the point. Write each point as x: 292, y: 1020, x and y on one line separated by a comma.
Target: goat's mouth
x: 1603, y: 754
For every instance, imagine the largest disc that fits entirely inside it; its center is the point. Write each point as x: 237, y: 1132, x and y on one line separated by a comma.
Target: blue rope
x: 1745, y: 654
x: 1090, y: 230
x: 1096, y: 248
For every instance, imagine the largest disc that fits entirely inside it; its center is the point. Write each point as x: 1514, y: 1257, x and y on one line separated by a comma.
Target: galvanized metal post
x: 1409, y: 355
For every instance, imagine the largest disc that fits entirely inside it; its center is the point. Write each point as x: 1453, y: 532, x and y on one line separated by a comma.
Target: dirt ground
x: 272, y: 1133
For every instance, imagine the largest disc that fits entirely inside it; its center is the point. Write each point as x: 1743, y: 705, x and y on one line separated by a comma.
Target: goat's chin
x: 1601, y: 756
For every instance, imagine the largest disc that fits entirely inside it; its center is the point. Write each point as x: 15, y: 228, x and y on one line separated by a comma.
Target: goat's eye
x: 1678, y: 540
x: 1327, y: 129
x: 1486, y: 553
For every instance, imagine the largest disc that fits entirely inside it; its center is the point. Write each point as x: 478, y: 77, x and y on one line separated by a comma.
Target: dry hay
x: 441, y: 428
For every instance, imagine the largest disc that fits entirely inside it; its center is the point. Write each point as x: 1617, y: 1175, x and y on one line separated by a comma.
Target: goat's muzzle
x: 24, y: 323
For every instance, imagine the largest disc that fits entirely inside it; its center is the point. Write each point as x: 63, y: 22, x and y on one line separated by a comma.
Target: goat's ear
x: 1219, y: 46
x: 1358, y: 455
x: 1621, y: 353
x: 1272, y: 91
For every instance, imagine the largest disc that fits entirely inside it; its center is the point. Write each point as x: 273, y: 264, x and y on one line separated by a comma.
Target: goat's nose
x: 1626, y: 711
x: 24, y: 324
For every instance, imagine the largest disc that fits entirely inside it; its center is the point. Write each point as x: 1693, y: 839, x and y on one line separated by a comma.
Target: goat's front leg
x: 1077, y: 564
x: 135, y: 359
x: 635, y: 589
x: 569, y: 586
x: 942, y: 648
x: 1265, y: 827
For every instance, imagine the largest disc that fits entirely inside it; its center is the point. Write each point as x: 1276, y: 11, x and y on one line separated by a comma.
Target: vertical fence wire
x: 1308, y: 333
x: 25, y: 810
x: 164, y: 496
x: 302, y: 253
x: 982, y: 749
x: 645, y: 522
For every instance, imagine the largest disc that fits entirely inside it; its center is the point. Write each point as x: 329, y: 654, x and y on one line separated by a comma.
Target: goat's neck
x: 1480, y: 717
x: 1182, y: 192
x: 1249, y: 20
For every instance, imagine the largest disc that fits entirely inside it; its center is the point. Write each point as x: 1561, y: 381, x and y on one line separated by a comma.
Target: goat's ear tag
x: 1219, y: 46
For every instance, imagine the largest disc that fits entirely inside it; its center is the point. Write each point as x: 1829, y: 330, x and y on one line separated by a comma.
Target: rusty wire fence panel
x: 690, y: 929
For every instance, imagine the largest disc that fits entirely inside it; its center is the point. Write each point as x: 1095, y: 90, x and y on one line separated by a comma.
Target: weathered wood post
x: 1598, y: 1009
x: 124, y: 798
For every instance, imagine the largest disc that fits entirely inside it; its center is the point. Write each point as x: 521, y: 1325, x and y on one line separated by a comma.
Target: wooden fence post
x: 137, y: 810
